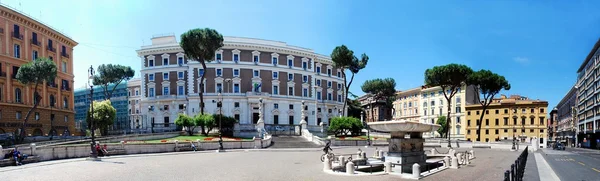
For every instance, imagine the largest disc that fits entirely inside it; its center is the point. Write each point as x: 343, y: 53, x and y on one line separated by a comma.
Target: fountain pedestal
x: 403, y: 150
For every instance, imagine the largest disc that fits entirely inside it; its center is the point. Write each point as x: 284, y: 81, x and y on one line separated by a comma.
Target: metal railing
x: 518, y: 168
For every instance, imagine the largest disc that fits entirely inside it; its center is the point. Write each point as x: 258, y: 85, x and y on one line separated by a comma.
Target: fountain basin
x: 403, y: 126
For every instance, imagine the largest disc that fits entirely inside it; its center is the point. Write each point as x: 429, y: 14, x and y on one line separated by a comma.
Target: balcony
x: 17, y: 35
x: 51, y: 84
x: 50, y: 48
x: 65, y: 54
x: 35, y: 42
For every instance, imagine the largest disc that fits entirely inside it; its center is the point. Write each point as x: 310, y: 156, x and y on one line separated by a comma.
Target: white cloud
x: 521, y: 60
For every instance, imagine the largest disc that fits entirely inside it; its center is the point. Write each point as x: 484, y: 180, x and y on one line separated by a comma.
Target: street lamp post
x: 220, y: 106
x: 93, y: 153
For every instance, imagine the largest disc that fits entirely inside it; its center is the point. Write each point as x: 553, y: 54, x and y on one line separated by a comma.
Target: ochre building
x: 23, y: 39
x: 509, y: 117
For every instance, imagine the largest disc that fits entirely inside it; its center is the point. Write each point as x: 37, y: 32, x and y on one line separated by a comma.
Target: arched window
x: 18, y: 95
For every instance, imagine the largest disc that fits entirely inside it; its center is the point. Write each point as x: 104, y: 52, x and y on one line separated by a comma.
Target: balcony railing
x: 52, y: 49
x: 36, y: 42
x: 65, y: 55
x: 17, y: 35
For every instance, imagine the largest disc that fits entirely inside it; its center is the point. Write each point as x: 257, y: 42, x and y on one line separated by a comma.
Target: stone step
x: 292, y: 142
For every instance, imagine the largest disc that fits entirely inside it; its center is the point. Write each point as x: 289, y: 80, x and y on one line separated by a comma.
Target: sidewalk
x: 531, y: 170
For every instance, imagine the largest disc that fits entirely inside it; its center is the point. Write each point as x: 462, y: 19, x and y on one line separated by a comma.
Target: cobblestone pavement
x: 236, y: 165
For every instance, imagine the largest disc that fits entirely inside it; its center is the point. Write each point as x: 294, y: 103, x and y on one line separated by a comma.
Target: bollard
x: 459, y: 157
x: 176, y: 145
x: 454, y: 163
x: 33, y: 148
x: 433, y: 152
x: 507, y: 176
x: 342, y: 160
x: 512, y: 172
x: 447, y: 161
x: 350, y: 168
x: 472, y: 154
x: 326, y: 164
x: 388, y: 167
x: 416, y: 171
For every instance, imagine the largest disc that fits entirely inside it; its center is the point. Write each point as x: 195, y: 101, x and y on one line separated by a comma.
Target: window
x: 487, y: 122
x: 219, y: 88
x: 236, y: 57
x: 180, y: 90
x: 541, y: 120
x: 151, y: 77
x: 497, y: 111
x: 34, y: 55
x: 410, y: 104
x: 219, y: 72
x: 487, y: 131
x: 18, y: 95
x: 457, y: 120
x: 318, y: 95
x: 339, y: 74
x: 50, y: 57
x: 531, y: 121
x: 542, y: 110
x: 506, y: 121
x: 256, y: 73
x: 468, y: 122
x: 441, y: 102
x: 166, y: 76
x: 458, y: 109
x: 290, y: 91
x: 236, y: 104
x: 180, y: 60
x: 304, y: 65
x: 276, y: 106
x: 275, y: 75
x: 505, y: 111
x: 290, y: 62
x: 66, y: 119
x: 275, y: 90
x: 329, y: 72
x: 37, y: 116
x: 256, y: 59
x: 218, y: 57
x: 179, y: 75
x: 532, y: 110
x: 274, y: 61
x: 305, y: 92
x: 150, y: 63
x: 236, y: 88
x: 506, y: 130
x: 165, y: 90
x: 17, y: 51
x: 329, y: 96
x: 339, y: 98
x: 432, y: 103
x: 328, y: 84
x: 65, y: 102
x: 339, y: 86
x: 318, y: 70
x: 496, y: 131
x: 18, y: 116
x: 497, y: 122
x: 458, y: 100
x: 477, y: 112
x: 290, y: 76
x: 318, y: 82
x: 165, y: 61
x: 200, y: 72
x: 305, y: 78
x: 151, y: 92
x: 424, y: 112
x: 236, y: 72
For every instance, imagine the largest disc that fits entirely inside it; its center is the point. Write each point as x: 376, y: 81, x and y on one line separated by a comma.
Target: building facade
x: 374, y: 110
x: 406, y: 106
x: 23, y: 39
x: 566, y: 127
x: 247, y: 72
x: 588, y: 109
x: 509, y: 117
x: 118, y: 100
x: 135, y: 105
x: 553, y: 125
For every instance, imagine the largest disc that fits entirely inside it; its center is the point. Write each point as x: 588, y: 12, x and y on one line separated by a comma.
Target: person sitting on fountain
x: 327, y: 147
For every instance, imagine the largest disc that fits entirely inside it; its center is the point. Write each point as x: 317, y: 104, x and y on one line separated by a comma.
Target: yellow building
x: 515, y: 116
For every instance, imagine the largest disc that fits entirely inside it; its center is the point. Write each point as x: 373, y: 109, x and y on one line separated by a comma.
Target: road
x: 574, y: 164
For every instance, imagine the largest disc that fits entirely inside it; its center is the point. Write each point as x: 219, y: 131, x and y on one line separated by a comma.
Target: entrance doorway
x: 255, y: 118
x: 291, y: 120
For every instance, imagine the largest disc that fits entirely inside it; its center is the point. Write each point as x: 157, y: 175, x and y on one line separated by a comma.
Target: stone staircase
x: 292, y: 142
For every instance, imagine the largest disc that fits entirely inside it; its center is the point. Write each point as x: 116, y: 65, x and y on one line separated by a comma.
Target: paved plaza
x: 289, y: 164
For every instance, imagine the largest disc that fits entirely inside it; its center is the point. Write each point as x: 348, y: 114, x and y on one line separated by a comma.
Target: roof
x: 587, y: 59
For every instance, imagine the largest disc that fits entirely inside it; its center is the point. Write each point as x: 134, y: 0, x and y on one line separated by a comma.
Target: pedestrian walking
x: 193, y: 146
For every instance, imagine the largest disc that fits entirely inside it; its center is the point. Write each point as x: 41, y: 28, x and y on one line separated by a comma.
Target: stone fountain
x: 403, y: 150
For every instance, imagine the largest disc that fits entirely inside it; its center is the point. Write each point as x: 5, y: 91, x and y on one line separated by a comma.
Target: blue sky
x: 537, y: 46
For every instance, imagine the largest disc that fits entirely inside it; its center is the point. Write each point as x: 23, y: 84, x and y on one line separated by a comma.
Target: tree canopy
x: 344, y: 58
x: 443, y: 130
x: 35, y: 72
x: 187, y: 122
x: 200, y: 45
x: 486, y: 84
x: 380, y: 89
x: 109, y: 74
x: 104, y: 115
x: 345, y: 126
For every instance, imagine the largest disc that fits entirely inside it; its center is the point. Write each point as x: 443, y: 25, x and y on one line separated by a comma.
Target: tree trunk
x: 345, y: 93
x: 480, y: 122
x: 448, y: 119
x: 201, y: 88
x: 35, y: 105
x: 203, y: 130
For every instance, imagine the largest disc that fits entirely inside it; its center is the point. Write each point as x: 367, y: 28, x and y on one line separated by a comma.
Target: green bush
x: 345, y: 126
x: 228, y: 124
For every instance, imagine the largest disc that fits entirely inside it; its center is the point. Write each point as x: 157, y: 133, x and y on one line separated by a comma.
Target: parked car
x: 558, y: 146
